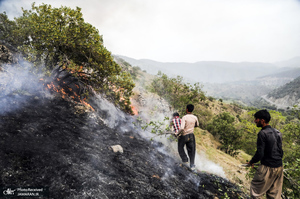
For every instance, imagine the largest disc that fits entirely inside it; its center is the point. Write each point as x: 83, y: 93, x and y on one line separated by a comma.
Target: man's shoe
x: 193, y: 168
x: 186, y: 164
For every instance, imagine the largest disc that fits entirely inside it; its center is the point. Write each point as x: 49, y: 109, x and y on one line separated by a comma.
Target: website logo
x: 16, y: 192
x: 9, y: 192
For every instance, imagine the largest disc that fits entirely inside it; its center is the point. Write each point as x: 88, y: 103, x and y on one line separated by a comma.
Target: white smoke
x: 112, y: 116
x: 19, y: 83
x: 201, y: 161
x: 154, y: 109
x: 109, y: 113
x: 157, y: 109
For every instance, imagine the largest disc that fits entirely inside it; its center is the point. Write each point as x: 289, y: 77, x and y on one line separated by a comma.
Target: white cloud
x: 191, y: 30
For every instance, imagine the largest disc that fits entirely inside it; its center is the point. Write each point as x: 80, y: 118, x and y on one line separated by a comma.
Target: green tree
x: 296, y: 111
x: 59, y: 36
x: 6, y: 30
x: 248, y: 136
x: 223, y: 128
x: 249, y: 131
x: 277, y: 119
x: 177, y: 92
x: 291, y: 148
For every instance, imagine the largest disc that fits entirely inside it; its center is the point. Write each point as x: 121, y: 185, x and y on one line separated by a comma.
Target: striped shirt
x: 176, y: 123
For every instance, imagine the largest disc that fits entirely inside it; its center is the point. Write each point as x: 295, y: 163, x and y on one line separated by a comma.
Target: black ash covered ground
x: 46, y: 142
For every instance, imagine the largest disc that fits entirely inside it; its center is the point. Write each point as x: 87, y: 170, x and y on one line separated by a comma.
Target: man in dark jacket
x: 268, y: 178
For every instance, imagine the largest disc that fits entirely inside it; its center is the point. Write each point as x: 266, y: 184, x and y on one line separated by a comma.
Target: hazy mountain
x: 294, y: 62
x: 248, y: 92
x: 245, y: 81
x: 205, y: 71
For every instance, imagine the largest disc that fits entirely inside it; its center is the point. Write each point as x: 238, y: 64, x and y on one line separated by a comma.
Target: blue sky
x: 190, y: 30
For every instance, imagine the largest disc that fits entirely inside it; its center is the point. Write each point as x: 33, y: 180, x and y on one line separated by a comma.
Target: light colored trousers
x: 267, y: 180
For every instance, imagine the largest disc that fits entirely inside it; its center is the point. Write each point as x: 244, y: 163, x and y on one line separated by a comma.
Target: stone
x: 117, y: 148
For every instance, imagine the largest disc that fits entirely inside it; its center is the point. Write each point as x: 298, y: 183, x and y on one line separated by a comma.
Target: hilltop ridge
x: 245, y: 82
x: 204, y: 71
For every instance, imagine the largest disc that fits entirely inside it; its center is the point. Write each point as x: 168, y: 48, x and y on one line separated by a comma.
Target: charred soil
x: 46, y: 142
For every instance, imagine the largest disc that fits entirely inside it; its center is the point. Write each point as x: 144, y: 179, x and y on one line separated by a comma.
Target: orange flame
x: 134, y: 110
x: 72, y: 94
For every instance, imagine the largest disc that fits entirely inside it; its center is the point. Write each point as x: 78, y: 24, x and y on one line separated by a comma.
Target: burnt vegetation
x: 47, y: 142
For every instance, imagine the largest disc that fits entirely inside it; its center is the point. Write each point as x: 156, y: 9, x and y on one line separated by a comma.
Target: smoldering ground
x: 154, y: 108
x: 17, y: 83
x: 47, y: 142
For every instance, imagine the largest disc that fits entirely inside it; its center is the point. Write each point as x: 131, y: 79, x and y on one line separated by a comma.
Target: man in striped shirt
x: 176, y: 122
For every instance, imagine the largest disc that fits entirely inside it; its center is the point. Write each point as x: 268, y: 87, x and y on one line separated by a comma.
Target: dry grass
x: 231, y: 165
x: 205, y: 141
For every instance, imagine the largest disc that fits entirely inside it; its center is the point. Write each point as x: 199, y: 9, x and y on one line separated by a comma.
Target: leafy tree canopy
x: 59, y: 36
x: 177, y: 92
x: 222, y: 127
x: 6, y: 28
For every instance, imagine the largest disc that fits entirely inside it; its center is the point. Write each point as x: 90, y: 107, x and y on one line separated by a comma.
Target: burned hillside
x: 46, y: 144
x: 66, y: 147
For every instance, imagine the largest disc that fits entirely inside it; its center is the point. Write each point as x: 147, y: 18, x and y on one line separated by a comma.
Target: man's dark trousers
x: 189, y: 141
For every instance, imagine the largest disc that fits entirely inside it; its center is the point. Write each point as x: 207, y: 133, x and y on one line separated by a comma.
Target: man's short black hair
x: 190, y: 107
x: 175, y: 114
x: 263, y: 114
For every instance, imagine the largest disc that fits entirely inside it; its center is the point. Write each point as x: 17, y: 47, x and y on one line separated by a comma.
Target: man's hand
x: 178, y: 134
x: 252, y: 165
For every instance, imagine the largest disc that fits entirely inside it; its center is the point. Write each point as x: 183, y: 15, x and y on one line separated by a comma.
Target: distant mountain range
x: 292, y: 63
x: 214, y: 71
x: 244, y: 81
x: 286, y: 95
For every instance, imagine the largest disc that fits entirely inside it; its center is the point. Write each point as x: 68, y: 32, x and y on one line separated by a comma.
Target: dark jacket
x: 269, y: 147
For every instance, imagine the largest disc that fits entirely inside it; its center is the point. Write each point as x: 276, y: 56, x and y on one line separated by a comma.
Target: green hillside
x: 227, y: 133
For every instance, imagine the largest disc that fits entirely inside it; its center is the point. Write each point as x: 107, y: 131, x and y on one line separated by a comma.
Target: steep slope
x: 60, y: 145
x: 287, y: 95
